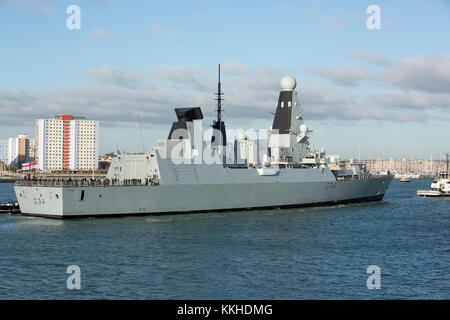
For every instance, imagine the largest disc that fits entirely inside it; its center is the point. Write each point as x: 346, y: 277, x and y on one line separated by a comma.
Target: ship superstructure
x: 187, y: 173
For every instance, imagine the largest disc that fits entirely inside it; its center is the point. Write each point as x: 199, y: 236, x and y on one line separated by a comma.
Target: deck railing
x: 87, y: 183
x: 363, y: 176
x: 136, y: 182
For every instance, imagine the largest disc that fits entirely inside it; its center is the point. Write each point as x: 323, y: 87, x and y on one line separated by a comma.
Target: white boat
x: 429, y: 193
x: 440, y: 187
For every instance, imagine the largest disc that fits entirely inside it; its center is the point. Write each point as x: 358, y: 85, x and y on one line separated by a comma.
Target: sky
x: 366, y: 93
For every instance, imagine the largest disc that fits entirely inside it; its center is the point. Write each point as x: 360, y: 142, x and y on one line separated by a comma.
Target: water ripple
x: 306, y: 253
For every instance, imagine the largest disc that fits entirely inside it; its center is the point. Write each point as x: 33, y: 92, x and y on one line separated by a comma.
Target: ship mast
x: 219, y: 99
x: 219, y: 138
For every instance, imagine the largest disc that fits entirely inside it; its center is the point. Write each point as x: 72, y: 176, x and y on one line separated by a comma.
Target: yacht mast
x: 447, y: 164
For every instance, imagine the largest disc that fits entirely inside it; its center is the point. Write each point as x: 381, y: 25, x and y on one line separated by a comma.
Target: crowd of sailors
x: 106, y: 182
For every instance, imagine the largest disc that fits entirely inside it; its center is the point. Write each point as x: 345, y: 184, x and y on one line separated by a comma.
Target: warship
x: 187, y: 173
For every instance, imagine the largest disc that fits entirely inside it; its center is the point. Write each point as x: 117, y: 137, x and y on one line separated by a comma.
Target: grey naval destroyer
x: 174, y: 176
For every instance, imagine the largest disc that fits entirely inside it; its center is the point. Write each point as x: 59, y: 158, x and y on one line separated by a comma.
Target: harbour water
x: 308, y: 253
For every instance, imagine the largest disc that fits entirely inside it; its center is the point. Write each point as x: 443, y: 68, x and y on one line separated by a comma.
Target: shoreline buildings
x: 65, y: 142
x: 15, y: 151
x: 400, y: 167
x: 405, y: 165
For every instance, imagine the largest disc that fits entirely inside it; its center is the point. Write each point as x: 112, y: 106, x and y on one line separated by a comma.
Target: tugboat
x: 440, y: 186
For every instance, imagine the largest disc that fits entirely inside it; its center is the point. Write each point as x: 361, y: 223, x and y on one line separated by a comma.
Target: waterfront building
x: 31, y: 149
x: 15, y: 151
x: 66, y: 142
x: 4, y: 151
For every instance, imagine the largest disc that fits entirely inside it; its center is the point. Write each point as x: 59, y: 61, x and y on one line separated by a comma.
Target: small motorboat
x: 441, y: 186
x: 10, y: 207
x: 429, y: 193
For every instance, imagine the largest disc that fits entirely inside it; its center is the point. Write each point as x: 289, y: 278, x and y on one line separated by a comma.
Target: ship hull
x: 95, y: 201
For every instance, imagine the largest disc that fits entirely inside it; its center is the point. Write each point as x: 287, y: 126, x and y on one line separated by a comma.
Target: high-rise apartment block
x: 66, y: 142
x: 15, y: 151
x: 4, y: 150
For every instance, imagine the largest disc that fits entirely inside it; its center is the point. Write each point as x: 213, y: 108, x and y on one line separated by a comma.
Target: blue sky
x: 386, y: 91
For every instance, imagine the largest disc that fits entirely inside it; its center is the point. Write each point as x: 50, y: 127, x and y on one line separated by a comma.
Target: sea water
x: 307, y: 253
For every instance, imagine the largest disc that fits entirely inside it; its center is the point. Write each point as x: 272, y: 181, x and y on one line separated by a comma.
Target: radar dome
x: 288, y: 83
x: 303, y: 128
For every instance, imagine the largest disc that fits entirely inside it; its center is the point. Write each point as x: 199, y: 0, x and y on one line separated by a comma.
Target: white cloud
x: 159, y: 29
x: 413, y: 99
x: 234, y: 68
x: 198, y: 17
x: 182, y: 77
x: 98, y: 33
x: 31, y: 6
x: 329, y: 21
x: 102, y: 34
x: 345, y: 75
x: 250, y: 93
x: 430, y: 74
x: 114, y: 75
x: 372, y: 57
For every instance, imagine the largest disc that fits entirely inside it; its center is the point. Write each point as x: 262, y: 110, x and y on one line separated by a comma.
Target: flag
x: 29, y: 165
